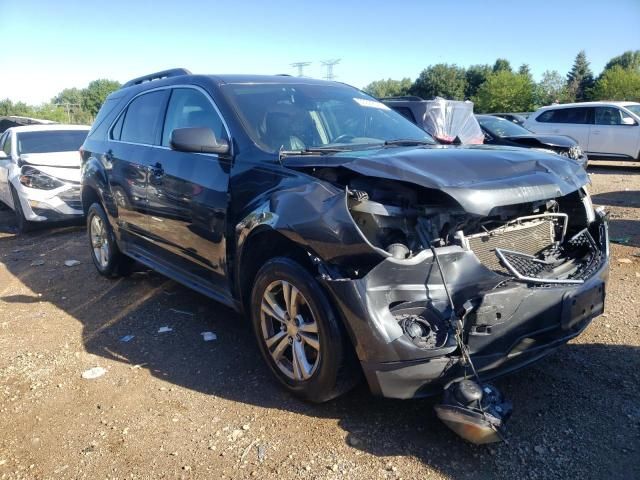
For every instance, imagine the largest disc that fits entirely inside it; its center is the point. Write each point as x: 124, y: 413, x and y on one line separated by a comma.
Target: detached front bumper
x: 508, y: 324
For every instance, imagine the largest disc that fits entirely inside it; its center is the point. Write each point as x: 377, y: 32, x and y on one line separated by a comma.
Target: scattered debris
x: 93, y: 373
x: 137, y: 366
x: 165, y: 329
x: 182, y: 312
x: 262, y: 452
x: 127, y: 338
x: 71, y: 263
x: 354, y: 441
x: 37, y: 263
x: 625, y: 260
x: 209, y: 336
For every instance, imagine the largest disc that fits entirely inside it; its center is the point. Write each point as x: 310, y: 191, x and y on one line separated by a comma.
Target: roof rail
x: 412, y: 98
x: 173, y: 72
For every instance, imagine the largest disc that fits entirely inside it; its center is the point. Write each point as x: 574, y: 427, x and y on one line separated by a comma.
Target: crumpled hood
x: 561, y: 141
x: 53, y: 159
x: 478, y: 177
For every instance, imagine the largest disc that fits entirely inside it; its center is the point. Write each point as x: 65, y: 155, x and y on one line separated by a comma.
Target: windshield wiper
x: 312, y: 151
x: 407, y: 142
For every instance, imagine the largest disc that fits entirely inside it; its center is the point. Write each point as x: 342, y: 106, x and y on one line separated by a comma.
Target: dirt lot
x: 172, y: 405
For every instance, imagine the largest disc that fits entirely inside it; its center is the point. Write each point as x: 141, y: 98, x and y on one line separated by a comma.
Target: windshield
x: 50, y: 141
x: 635, y: 108
x: 499, y: 127
x: 294, y: 117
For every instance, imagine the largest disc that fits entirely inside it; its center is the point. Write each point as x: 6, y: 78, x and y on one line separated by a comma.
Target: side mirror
x: 198, y: 140
x: 628, y: 121
x: 3, y: 155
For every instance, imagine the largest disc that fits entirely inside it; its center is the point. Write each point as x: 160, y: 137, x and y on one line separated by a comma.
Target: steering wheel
x: 343, y: 138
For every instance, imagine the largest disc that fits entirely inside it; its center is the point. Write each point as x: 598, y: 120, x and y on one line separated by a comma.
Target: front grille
x: 529, y: 238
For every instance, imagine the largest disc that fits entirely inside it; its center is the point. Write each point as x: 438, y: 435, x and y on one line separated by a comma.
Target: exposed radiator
x: 529, y: 238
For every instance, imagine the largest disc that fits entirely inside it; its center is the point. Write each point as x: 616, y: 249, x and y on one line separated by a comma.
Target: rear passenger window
x: 580, y: 116
x: 191, y: 108
x: 143, y: 119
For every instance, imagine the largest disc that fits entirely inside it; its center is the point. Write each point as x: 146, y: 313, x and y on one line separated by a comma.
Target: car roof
x: 619, y: 103
x: 47, y: 128
x: 243, y: 78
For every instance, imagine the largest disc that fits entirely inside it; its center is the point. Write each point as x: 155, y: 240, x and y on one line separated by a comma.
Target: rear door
x: 5, y: 163
x: 135, y: 138
x: 187, y: 194
x: 614, y: 133
x: 572, y: 121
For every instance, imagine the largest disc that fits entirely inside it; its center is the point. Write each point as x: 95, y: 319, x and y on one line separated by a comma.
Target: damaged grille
x: 530, y: 238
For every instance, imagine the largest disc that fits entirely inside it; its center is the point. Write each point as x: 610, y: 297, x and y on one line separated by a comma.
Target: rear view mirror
x: 198, y: 140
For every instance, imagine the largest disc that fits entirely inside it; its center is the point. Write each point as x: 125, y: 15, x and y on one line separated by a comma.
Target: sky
x: 55, y: 44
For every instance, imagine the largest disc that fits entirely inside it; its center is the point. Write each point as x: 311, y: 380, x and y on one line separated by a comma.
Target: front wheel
x: 22, y: 223
x: 298, y: 333
x: 106, y: 255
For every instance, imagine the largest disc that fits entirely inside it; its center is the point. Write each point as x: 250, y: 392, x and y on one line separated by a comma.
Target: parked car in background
x: 343, y: 230
x: 604, y: 130
x: 40, y: 172
x: 512, y: 117
x: 499, y: 131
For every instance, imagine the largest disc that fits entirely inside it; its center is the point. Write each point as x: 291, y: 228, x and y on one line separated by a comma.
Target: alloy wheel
x: 290, y: 330
x: 99, y: 241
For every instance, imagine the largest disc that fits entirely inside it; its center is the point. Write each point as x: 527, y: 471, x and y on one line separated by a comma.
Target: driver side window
x: 190, y: 108
x: 6, y: 147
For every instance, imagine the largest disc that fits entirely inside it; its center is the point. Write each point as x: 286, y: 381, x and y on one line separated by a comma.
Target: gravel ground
x: 171, y: 405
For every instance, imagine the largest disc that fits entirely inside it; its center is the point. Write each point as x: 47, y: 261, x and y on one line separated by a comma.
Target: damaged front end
x: 522, y: 279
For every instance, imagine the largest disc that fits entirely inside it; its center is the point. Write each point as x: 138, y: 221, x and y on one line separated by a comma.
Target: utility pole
x: 300, y: 66
x: 67, y: 106
x: 330, y: 64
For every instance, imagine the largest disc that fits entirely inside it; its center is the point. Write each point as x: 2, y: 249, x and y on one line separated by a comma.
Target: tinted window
x: 50, y: 141
x: 406, y: 113
x: 6, y: 148
x: 143, y: 119
x: 116, y: 132
x: 190, y: 108
x: 579, y: 115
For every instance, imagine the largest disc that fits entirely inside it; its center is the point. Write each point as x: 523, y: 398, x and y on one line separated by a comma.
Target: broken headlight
x: 33, y: 178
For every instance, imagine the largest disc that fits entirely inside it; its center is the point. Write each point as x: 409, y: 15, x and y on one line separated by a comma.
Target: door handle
x: 157, y: 170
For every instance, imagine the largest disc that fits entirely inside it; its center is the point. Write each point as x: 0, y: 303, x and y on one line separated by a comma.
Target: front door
x: 188, y: 195
x: 615, y: 133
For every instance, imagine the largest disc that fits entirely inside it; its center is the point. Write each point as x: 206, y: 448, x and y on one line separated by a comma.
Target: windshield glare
x: 499, y: 127
x: 302, y: 116
x: 47, y: 141
x: 634, y: 109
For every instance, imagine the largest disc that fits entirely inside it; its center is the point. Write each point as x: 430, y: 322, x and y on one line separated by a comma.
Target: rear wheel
x: 23, y: 224
x: 298, y: 333
x: 106, y: 255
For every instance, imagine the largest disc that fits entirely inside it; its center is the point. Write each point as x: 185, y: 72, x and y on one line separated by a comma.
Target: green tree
x: 70, y: 101
x: 389, y: 88
x: 505, y: 91
x: 580, y: 79
x: 551, y: 89
x: 525, y: 70
x: 629, y: 59
x: 441, y: 80
x: 96, y: 92
x: 476, y: 75
x: 618, y: 83
x: 501, y: 65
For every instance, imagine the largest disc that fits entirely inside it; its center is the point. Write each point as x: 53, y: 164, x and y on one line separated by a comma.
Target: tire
x: 106, y: 256
x: 315, y: 334
x: 23, y: 224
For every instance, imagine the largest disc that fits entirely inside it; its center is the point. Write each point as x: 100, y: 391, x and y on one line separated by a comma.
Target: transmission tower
x: 330, y: 64
x: 300, y: 66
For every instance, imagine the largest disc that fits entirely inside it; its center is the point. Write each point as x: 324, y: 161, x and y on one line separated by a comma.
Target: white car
x: 40, y: 172
x: 606, y: 130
